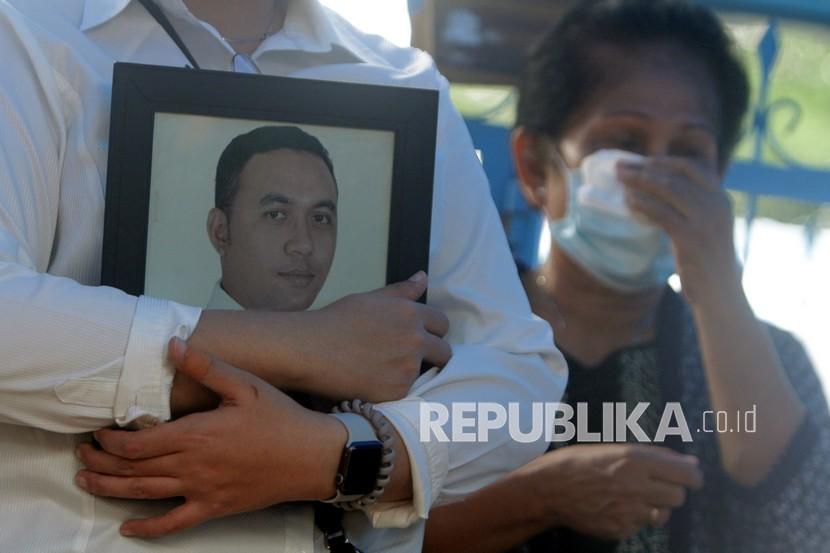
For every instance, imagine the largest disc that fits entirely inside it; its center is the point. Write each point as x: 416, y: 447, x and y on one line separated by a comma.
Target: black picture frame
x: 140, y: 92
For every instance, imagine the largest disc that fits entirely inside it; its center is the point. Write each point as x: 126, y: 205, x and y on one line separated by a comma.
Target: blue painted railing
x: 814, y: 11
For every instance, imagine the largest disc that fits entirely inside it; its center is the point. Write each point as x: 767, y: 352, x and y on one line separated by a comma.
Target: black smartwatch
x: 360, y: 463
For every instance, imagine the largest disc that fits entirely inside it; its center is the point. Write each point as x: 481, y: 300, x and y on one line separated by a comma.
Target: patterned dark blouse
x: 788, y: 513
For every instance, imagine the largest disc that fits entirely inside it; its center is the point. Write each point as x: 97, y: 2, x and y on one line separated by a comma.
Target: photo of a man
x: 274, y: 220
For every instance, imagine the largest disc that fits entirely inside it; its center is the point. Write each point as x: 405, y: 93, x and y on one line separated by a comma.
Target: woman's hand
x: 685, y: 199
x: 742, y: 367
x: 609, y: 491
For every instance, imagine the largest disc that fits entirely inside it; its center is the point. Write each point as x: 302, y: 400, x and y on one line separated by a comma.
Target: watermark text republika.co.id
x: 563, y: 422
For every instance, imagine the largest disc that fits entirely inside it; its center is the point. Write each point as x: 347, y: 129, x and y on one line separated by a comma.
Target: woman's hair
x: 562, y: 73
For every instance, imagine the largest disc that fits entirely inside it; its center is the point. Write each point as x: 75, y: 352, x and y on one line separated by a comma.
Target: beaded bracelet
x: 386, y: 435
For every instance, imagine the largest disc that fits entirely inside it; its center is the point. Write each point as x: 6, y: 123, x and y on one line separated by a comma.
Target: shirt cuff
x: 143, y: 395
x: 428, y: 462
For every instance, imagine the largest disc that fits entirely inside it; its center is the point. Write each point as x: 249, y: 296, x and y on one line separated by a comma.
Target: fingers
x: 668, y: 169
x: 181, y: 518
x: 658, y: 517
x: 99, y: 461
x: 656, y: 211
x: 643, y: 515
x: 626, y: 519
x: 411, y: 289
x: 129, y: 487
x: 229, y: 382
x: 142, y: 444
x: 694, y: 171
x: 672, y: 467
x: 664, y: 495
x: 653, y: 181
x: 689, y: 188
x: 435, y: 322
x: 437, y: 351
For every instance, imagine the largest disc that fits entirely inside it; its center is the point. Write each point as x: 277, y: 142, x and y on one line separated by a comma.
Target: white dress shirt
x: 77, y: 356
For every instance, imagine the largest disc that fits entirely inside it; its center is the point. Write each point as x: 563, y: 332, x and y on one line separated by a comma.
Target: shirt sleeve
x: 75, y: 357
x: 502, y: 353
x: 789, y: 510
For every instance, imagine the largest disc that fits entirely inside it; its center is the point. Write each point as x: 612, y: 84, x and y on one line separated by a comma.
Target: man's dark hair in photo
x: 259, y: 141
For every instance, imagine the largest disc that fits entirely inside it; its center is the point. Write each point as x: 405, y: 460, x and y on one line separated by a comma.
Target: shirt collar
x: 308, y: 27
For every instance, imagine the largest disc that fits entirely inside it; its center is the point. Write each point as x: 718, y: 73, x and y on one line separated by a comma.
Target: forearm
x: 744, y: 373
x: 257, y: 342
x: 267, y: 344
x: 368, y: 346
x: 492, y: 520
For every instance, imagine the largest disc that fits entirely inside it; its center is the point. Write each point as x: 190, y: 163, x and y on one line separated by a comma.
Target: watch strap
x: 359, y: 430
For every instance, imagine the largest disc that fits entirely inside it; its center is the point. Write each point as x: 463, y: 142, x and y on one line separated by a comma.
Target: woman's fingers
x: 629, y: 517
x: 664, y: 494
x: 695, y: 172
x: 658, y: 517
x: 658, y: 183
x: 680, y: 183
x: 673, y: 468
x: 656, y: 211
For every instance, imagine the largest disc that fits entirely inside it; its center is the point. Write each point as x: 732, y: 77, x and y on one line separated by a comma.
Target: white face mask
x: 601, y: 234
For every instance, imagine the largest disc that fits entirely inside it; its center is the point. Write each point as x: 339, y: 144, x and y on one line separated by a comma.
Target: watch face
x: 360, y: 466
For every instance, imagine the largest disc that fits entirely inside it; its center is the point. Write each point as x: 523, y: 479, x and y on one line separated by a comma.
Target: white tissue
x: 600, y: 189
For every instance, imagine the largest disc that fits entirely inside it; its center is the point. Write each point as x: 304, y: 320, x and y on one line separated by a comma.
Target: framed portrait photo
x: 231, y: 191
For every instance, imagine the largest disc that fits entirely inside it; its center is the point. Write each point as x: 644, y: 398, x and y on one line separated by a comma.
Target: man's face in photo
x: 280, y: 234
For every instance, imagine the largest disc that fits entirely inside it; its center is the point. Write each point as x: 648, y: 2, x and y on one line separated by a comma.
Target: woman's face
x: 663, y: 105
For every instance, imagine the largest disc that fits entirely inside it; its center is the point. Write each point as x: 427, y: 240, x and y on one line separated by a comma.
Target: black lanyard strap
x: 329, y: 519
x: 162, y: 20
